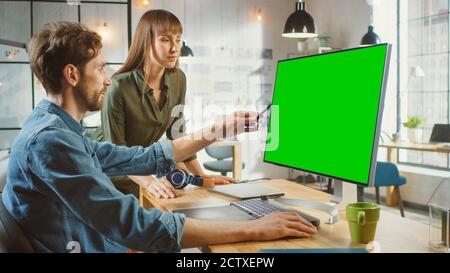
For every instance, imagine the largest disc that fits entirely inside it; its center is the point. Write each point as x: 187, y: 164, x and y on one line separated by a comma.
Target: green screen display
x: 325, y: 113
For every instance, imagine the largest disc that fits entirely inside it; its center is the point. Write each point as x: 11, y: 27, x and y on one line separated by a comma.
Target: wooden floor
x: 412, y: 214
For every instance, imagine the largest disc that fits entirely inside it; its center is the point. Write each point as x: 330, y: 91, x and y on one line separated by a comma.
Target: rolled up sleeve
x: 174, y: 224
x: 164, y: 157
x: 120, y: 160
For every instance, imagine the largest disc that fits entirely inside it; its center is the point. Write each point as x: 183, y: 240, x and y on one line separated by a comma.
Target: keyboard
x: 256, y: 207
x: 259, y: 208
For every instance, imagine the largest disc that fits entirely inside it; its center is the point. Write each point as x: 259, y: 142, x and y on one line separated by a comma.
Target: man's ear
x: 71, y: 75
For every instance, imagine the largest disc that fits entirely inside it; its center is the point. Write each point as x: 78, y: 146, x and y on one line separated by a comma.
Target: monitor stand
x: 344, y: 193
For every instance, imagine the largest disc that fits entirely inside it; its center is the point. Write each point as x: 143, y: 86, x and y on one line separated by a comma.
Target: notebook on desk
x: 248, y: 209
x: 246, y: 191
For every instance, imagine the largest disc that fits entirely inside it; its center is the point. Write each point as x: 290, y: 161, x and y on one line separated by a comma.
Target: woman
x: 138, y: 106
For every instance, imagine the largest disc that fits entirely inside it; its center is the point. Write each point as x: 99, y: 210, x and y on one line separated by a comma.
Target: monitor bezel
x: 380, y: 110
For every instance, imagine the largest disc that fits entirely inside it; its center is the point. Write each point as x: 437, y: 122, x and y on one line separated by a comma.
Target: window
x: 426, y: 95
x: 20, y: 91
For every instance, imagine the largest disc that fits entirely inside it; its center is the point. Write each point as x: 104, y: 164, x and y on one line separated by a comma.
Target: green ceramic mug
x: 362, y: 220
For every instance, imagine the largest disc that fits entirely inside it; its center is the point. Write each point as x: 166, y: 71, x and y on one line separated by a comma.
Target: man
x: 58, y: 187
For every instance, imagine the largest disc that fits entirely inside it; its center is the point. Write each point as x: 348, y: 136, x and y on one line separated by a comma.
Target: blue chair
x: 386, y: 175
x: 220, y: 165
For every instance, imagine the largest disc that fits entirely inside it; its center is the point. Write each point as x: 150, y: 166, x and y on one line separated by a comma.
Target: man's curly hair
x: 57, y: 45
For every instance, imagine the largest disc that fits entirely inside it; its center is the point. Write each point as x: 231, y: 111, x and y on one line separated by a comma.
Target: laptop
x: 246, y: 190
x: 248, y: 209
x: 440, y: 134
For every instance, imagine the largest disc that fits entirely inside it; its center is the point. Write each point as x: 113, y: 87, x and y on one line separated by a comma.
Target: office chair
x: 12, y: 238
x: 387, y: 174
x: 220, y: 165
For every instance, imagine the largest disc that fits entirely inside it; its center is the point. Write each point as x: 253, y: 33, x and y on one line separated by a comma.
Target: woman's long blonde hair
x: 150, y: 24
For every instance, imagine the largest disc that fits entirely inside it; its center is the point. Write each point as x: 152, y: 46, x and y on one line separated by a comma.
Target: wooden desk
x: 392, y: 156
x: 394, y: 233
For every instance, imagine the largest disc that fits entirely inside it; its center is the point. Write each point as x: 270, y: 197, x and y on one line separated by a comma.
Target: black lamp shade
x: 370, y: 38
x: 300, y: 24
x: 186, y: 51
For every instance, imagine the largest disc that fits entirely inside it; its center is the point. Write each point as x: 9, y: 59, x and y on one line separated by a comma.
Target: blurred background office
x: 234, y: 47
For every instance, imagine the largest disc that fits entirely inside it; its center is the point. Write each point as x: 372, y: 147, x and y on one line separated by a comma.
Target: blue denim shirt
x: 59, y: 191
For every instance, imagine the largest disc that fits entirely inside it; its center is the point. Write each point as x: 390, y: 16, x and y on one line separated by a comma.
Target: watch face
x: 176, y: 177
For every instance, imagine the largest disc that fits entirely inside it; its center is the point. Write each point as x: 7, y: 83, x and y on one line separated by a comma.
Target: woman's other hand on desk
x: 219, y: 179
x: 278, y: 225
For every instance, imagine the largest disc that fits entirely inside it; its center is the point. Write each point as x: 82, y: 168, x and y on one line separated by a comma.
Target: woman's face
x: 166, y: 49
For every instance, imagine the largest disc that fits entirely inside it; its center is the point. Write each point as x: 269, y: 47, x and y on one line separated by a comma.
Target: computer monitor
x: 329, y: 113
x: 440, y: 133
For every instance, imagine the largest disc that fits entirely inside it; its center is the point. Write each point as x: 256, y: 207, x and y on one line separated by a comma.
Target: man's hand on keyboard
x: 282, y: 224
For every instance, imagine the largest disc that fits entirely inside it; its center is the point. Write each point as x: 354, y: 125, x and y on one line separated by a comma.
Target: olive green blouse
x: 128, y: 119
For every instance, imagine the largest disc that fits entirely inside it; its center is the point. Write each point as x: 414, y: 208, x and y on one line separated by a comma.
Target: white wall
x: 421, y: 186
x: 345, y: 21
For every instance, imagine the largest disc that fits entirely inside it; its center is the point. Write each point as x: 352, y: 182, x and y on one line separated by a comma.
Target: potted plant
x: 412, y: 124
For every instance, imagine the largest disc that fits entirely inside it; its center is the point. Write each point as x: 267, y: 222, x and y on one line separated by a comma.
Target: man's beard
x: 92, y: 100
